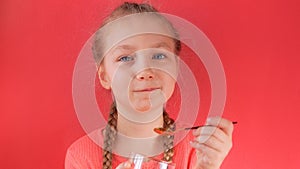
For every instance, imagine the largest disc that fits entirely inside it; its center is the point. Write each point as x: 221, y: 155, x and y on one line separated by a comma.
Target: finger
x: 204, y: 150
x: 202, y: 159
x: 215, y: 144
x: 219, y: 144
x: 125, y: 165
x: 222, y: 123
x: 217, y: 133
x: 221, y: 135
x: 205, y: 130
x: 218, y: 140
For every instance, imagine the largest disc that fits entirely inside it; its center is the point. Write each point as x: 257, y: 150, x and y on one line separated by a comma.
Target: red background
x: 256, y: 40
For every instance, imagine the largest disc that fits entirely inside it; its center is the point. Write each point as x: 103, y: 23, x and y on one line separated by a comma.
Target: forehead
x: 145, y: 41
x: 144, y: 25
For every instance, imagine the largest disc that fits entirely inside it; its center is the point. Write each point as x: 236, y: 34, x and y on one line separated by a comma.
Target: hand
x: 125, y: 165
x: 212, y: 144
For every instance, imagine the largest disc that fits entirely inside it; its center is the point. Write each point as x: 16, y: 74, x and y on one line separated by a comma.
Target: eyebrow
x: 125, y: 47
x: 162, y: 45
x: 132, y: 48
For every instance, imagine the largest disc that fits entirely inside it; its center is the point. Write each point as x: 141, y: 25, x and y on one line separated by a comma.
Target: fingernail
x: 208, y: 120
x: 127, y: 164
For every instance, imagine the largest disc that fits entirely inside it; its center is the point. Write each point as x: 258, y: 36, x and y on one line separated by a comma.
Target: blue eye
x: 159, y: 56
x: 125, y: 58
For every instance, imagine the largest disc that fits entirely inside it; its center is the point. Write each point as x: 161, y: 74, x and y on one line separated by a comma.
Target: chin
x: 142, y: 110
x: 144, y: 106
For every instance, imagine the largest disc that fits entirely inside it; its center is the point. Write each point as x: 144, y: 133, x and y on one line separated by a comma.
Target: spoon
x: 161, y: 130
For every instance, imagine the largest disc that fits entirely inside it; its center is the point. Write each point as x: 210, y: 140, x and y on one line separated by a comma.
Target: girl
x: 136, y: 53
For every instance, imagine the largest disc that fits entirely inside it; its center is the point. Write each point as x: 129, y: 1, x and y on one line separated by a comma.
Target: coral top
x: 86, y: 154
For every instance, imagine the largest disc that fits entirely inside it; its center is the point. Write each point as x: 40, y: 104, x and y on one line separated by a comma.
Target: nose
x: 146, y: 74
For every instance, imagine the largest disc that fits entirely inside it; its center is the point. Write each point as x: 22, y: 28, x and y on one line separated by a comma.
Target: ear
x: 104, y: 78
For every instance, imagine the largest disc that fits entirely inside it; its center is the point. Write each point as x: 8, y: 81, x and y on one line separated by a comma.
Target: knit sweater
x: 86, y: 154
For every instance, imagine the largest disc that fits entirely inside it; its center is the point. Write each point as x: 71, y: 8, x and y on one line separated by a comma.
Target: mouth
x: 147, y: 89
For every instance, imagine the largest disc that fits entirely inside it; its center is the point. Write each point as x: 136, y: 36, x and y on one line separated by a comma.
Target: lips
x: 148, y: 89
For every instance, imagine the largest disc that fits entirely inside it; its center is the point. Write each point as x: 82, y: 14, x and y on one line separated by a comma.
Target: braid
x: 168, y: 139
x: 109, y: 137
x: 111, y: 131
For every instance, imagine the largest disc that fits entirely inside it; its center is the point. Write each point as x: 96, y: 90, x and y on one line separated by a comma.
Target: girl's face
x: 141, y: 71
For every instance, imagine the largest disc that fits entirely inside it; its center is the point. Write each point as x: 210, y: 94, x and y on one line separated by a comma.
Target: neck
x: 136, y: 124
x: 138, y: 130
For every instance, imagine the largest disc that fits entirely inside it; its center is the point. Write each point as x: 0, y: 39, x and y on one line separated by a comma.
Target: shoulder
x: 89, y: 143
x: 85, y: 152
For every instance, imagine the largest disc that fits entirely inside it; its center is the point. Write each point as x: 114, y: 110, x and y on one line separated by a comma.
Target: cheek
x: 169, y: 87
x: 170, y: 71
x: 120, y: 80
